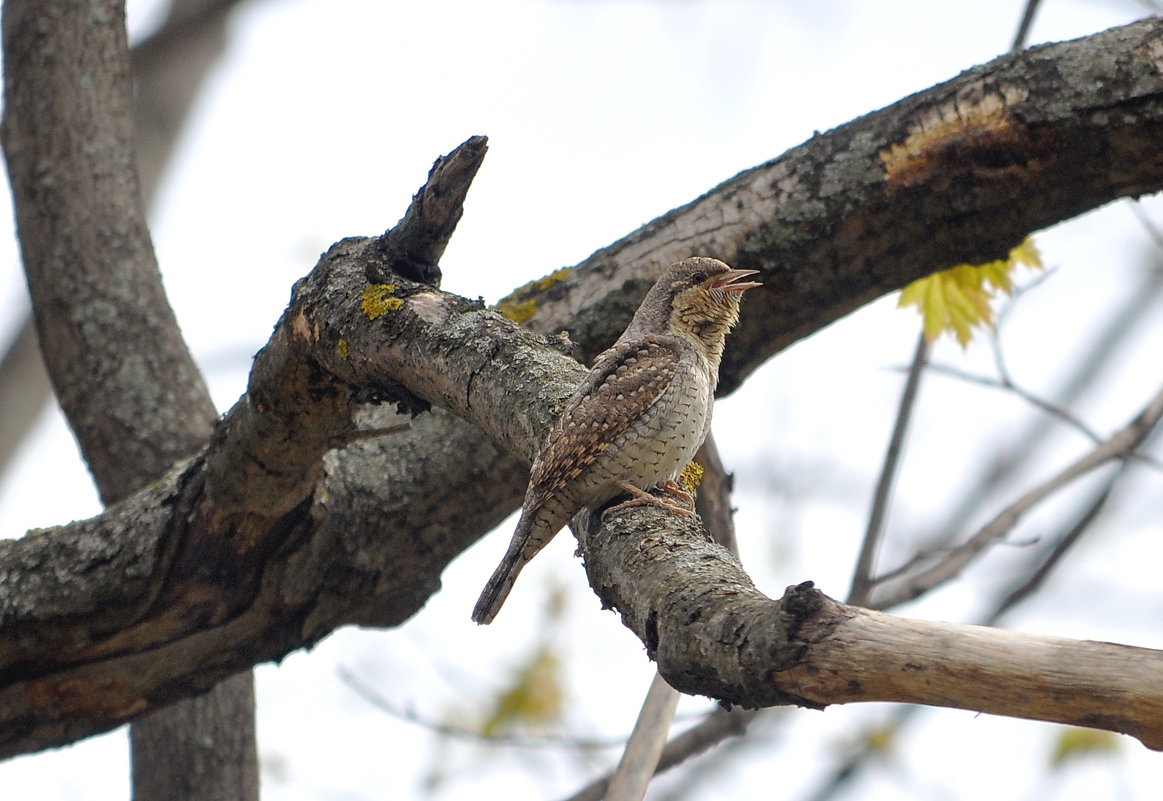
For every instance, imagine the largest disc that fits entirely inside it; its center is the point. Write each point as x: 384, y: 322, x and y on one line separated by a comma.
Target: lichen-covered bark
x: 117, y: 360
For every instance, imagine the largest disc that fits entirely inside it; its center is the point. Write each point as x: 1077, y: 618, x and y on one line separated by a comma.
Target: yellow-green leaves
x: 533, y: 699
x: 1074, y: 742
x: 958, y: 299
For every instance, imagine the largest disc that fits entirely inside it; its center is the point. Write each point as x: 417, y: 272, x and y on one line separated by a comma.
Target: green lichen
x: 378, y: 301
x: 522, y: 303
x: 342, y: 348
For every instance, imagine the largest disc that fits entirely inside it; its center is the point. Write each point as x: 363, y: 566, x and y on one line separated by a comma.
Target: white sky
x: 321, y: 122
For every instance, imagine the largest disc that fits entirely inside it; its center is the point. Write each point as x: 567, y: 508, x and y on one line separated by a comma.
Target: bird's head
x: 697, y: 299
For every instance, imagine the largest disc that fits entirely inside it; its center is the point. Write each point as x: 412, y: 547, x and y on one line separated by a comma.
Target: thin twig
x: 1119, y: 446
x: 640, y: 759
x: 862, y: 581
x: 1148, y: 224
x: 1005, y: 383
x: 371, y: 696
x: 1060, y: 548
x: 1024, y: 26
x: 716, y: 727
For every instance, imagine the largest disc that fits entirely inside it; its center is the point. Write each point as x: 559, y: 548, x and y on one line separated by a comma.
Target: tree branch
x: 263, y: 544
x: 1119, y: 446
x: 126, y: 381
x: 713, y: 633
x: 413, y: 246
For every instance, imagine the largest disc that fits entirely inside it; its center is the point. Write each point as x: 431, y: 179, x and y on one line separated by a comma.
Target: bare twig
x: 1023, y: 32
x: 640, y: 759
x: 716, y: 727
x: 1060, y: 548
x: 862, y: 581
x: 366, y: 692
x: 1148, y: 224
x: 1005, y: 383
x: 1119, y: 446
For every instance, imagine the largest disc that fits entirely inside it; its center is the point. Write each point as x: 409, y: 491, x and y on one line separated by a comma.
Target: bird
x: 636, y: 420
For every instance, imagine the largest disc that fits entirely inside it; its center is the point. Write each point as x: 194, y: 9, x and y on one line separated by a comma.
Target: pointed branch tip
x: 414, y: 246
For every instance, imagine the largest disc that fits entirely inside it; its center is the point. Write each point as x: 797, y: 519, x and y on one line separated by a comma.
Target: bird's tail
x: 497, y: 590
x: 501, y: 582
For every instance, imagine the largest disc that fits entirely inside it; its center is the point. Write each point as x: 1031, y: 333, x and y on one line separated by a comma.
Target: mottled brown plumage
x: 637, y: 419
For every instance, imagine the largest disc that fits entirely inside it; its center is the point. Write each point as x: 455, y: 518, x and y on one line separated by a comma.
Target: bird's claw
x: 673, y: 488
x: 640, y: 497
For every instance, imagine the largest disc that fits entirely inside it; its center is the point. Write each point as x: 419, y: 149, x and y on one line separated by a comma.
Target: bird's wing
x: 624, y: 382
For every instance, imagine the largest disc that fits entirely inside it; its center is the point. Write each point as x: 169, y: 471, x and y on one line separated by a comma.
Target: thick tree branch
x: 181, y: 573
x: 957, y: 173
x: 126, y: 381
x: 204, y: 748
x: 262, y: 544
x: 168, y: 70
x: 118, y: 364
x: 713, y: 633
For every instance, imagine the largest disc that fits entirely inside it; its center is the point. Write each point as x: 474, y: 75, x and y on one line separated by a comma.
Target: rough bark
x: 713, y: 633
x: 118, y: 364
x: 213, y: 576
x: 203, y: 748
x: 86, y: 248
x: 168, y: 70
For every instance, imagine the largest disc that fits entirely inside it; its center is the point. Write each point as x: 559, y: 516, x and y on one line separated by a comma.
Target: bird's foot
x: 640, y: 497
x: 675, y: 489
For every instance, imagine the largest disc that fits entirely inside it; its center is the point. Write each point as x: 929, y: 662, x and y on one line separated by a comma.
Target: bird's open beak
x: 728, y: 281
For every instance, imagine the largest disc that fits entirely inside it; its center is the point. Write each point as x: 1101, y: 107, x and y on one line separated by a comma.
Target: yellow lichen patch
x: 520, y: 306
x: 950, y: 134
x: 342, y: 348
x: 378, y: 301
x: 517, y: 310
x: 691, y: 476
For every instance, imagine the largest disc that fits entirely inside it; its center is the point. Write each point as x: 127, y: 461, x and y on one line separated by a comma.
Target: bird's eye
x: 698, y: 278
